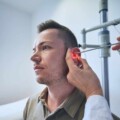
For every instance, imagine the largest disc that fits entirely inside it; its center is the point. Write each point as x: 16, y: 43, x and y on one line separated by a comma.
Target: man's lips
x: 36, y: 67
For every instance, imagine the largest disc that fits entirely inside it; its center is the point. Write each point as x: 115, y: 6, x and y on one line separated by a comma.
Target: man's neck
x: 57, y: 94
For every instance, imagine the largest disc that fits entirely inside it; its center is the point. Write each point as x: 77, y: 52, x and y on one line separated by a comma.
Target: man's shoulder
x: 35, y: 95
x: 35, y: 98
x: 33, y: 103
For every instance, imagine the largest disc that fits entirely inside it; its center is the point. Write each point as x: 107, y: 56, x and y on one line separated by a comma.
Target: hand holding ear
x: 83, y: 79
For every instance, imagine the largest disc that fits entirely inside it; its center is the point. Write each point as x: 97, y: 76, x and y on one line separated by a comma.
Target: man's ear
x: 76, y: 56
x: 76, y: 51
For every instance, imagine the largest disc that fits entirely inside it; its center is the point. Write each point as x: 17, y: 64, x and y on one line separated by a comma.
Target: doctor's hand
x: 117, y: 47
x: 83, y: 78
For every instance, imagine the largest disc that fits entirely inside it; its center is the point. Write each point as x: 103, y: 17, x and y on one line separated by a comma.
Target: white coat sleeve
x: 96, y: 108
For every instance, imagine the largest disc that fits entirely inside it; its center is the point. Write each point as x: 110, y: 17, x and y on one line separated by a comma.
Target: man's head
x: 49, y: 52
x: 66, y: 34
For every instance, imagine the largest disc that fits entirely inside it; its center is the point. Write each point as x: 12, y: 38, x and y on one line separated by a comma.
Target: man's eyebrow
x: 42, y: 43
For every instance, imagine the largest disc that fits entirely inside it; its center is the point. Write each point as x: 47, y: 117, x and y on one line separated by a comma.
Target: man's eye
x: 45, y: 47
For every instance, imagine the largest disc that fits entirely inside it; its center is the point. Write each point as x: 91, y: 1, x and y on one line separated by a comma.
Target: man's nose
x: 36, y: 57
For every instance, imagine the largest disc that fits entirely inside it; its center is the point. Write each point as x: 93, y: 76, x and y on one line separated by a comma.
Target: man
x: 73, y: 90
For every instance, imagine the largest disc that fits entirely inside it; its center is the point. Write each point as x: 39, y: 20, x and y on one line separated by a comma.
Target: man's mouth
x: 38, y: 68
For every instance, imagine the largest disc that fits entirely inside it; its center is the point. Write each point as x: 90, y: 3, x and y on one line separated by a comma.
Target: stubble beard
x: 53, y: 78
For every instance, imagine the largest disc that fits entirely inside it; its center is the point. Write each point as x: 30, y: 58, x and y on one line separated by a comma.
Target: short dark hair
x: 67, y: 35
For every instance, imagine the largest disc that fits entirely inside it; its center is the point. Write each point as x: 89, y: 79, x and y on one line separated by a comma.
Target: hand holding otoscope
x: 81, y: 75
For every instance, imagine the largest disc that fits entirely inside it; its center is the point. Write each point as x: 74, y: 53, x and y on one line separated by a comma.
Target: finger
x: 118, y: 38
x: 117, y: 47
x: 85, y: 63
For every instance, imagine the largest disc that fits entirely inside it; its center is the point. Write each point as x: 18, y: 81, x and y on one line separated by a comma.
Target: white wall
x: 79, y: 14
x: 16, y: 76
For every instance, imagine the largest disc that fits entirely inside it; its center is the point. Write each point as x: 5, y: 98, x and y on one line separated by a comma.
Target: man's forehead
x: 47, y: 36
x: 38, y: 41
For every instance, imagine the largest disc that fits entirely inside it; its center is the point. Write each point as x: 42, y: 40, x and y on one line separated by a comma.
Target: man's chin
x: 40, y: 80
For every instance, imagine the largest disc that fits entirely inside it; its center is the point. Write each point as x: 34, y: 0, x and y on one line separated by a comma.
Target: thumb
x: 84, y: 63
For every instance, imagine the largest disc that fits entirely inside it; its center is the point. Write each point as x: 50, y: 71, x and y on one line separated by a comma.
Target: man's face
x: 49, y: 57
